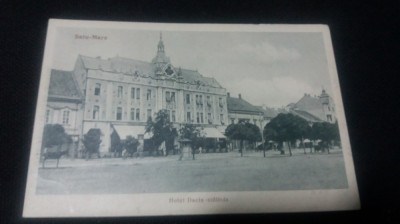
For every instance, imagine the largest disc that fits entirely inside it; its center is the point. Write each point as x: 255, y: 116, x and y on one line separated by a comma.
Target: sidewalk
x: 101, y: 162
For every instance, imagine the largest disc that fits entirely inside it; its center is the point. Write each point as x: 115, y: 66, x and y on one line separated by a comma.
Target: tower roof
x: 161, y: 58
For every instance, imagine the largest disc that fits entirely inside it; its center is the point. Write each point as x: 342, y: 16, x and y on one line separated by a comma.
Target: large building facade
x: 121, y: 94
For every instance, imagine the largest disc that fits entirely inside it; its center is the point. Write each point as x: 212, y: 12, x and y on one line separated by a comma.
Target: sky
x: 272, y: 69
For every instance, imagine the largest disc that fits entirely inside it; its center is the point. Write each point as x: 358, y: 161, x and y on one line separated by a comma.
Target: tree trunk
x: 312, y: 146
x: 241, y: 148
x: 290, y: 150
x: 328, y: 147
x: 304, y: 147
x: 263, y: 148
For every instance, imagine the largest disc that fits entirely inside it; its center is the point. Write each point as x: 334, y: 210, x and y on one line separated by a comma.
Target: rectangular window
x: 221, y: 118
x: 220, y: 102
x: 201, y: 99
x: 173, y: 97
x: 188, y: 118
x: 209, y: 118
x: 149, y: 94
x: 187, y: 98
x: 47, y: 116
x: 173, y: 116
x: 65, y: 117
x: 96, y: 110
x: 168, y: 96
x: 132, y: 93
x: 119, y: 113
x: 201, y: 118
x: 197, y: 99
x: 138, y: 93
x: 198, y: 117
x: 120, y: 89
x: 97, y: 89
x: 168, y: 114
x: 138, y: 114
x: 132, y: 114
x: 232, y: 121
x: 149, y: 116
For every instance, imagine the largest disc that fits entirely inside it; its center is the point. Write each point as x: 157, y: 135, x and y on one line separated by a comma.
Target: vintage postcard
x: 140, y: 119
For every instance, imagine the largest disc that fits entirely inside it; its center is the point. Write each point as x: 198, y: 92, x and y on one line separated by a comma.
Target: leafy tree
x: 91, y: 141
x: 54, y: 134
x: 193, y: 133
x: 162, y: 130
x: 243, y: 131
x: 326, y: 132
x: 287, y: 128
x: 130, y: 144
x: 254, y: 134
x: 54, y: 137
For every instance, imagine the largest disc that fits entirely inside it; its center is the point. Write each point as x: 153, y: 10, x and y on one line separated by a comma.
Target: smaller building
x: 314, y: 108
x: 239, y: 110
x: 64, y: 104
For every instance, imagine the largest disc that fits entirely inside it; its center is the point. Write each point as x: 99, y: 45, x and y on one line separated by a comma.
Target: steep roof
x: 135, y: 67
x: 308, y: 102
x: 241, y: 105
x: 307, y: 116
x: 63, y: 85
x: 311, y: 105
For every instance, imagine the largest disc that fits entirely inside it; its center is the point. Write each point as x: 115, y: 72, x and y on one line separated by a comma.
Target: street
x: 209, y: 172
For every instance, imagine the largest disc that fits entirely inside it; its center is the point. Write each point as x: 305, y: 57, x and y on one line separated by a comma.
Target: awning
x: 212, y: 133
x: 126, y: 130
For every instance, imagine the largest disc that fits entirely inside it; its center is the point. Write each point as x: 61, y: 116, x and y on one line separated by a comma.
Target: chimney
x: 240, y: 96
x: 228, y: 94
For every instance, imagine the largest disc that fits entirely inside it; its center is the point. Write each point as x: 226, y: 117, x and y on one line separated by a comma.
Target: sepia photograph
x: 137, y: 119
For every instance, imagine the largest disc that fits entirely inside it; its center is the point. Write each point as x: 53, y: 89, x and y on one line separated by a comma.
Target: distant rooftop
x: 241, y: 105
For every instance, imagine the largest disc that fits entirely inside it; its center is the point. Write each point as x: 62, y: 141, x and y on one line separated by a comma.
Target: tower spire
x: 160, y: 46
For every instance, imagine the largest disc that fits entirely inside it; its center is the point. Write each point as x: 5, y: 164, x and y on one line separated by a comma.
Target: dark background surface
x: 364, y: 36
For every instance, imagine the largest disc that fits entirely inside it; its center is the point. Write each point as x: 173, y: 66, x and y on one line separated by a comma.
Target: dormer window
x: 169, y: 70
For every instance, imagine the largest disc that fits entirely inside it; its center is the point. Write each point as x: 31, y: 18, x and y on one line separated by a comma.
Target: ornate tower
x: 162, y: 63
x: 328, y: 106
